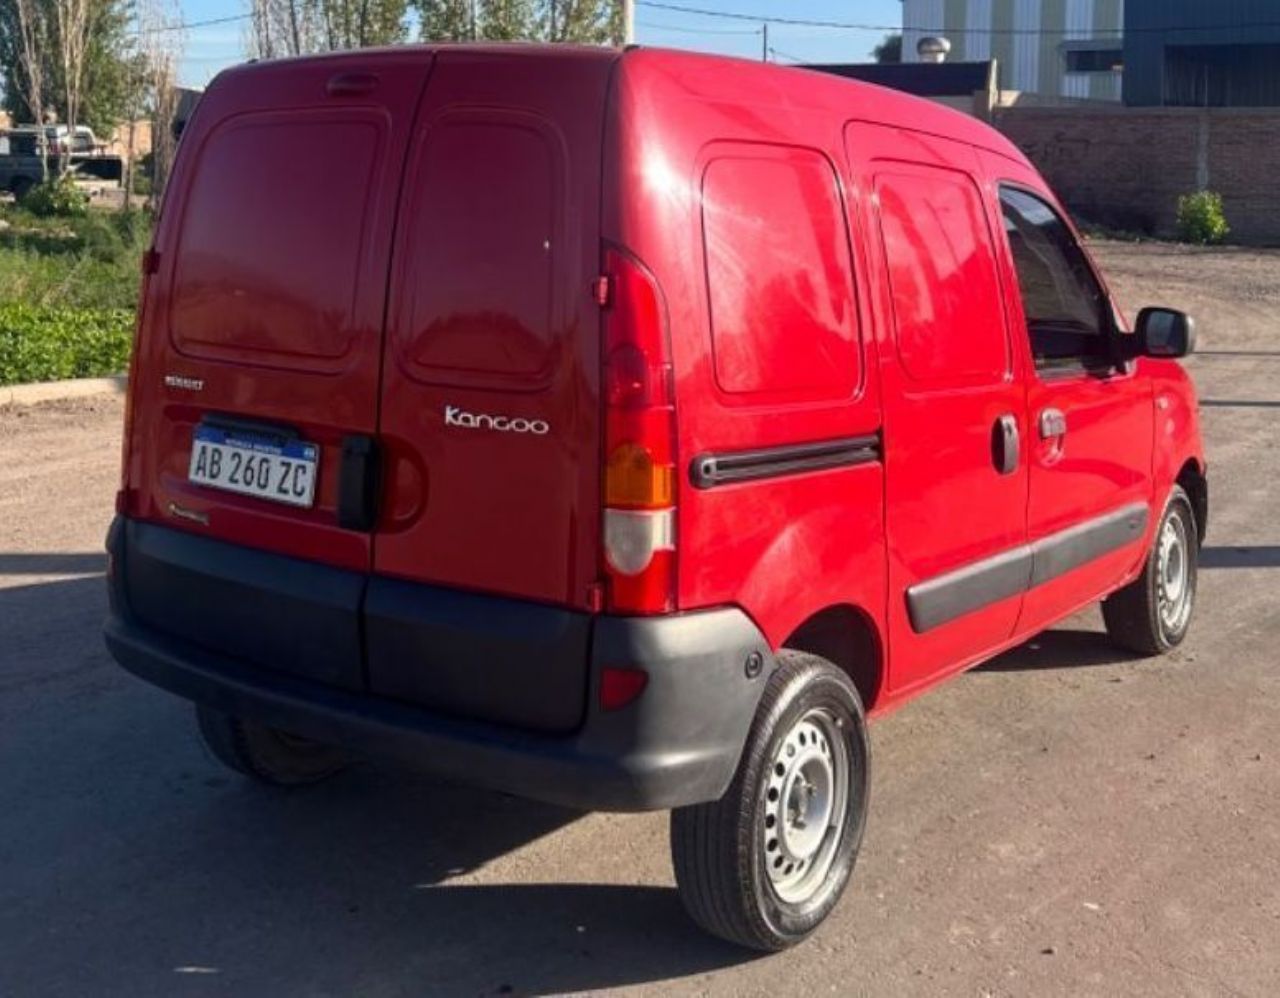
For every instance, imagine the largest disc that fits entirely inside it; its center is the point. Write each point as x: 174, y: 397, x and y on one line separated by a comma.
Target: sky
x: 211, y: 48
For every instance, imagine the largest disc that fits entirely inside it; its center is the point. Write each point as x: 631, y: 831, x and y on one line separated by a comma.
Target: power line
x: 772, y: 19
x: 937, y: 29
x: 786, y: 55
x: 698, y: 31
x: 188, y: 25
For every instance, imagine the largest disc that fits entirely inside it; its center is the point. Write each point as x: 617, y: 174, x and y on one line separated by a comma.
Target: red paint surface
x: 345, y: 260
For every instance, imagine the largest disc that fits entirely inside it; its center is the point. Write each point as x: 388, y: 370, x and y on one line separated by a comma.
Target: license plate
x: 278, y: 469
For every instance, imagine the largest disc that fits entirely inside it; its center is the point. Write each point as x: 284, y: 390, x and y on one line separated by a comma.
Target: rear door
x: 490, y: 407
x: 263, y: 320
x: 490, y: 403
x: 955, y: 467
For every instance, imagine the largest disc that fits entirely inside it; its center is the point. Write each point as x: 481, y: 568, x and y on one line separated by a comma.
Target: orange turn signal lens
x: 633, y: 480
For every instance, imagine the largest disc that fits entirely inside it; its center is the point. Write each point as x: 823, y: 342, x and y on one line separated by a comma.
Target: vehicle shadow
x: 49, y: 563
x: 135, y: 860
x: 1058, y: 649
x: 1261, y: 556
x: 1238, y: 404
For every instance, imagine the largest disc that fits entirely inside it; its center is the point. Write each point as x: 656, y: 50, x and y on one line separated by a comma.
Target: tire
x: 266, y: 754
x: 21, y: 187
x: 736, y: 877
x: 1152, y: 614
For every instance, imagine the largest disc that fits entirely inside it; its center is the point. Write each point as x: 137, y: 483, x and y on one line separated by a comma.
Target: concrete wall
x: 1126, y: 167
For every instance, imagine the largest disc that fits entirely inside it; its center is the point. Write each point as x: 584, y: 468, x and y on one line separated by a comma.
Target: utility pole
x: 764, y: 49
x: 473, y: 20
x: 628, y: 22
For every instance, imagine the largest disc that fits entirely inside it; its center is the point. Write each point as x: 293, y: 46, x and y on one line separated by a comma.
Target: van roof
x: 718, y: 77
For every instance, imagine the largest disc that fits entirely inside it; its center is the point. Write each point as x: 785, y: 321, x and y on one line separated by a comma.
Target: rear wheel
x: 765, y: 864
x: 1152, y: 614
x: 266, y: 754
x: 21, y: 187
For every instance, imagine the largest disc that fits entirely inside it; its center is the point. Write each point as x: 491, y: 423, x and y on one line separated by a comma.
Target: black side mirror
x: 1165, y: 332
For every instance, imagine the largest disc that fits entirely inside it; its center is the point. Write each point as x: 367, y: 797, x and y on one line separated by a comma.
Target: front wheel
x: 1152, y: 614
x: 765, y: 864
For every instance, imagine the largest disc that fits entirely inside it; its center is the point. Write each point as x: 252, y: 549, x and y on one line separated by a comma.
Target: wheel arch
x: 848, y: 638
x: 1193, y: 481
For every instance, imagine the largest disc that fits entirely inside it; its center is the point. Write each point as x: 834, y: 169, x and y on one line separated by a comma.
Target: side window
x: 1064, y: 306
x: 947, y: 310
x: 779, y: 281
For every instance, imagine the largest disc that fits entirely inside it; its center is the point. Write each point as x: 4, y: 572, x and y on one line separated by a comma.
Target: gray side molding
x: 939, y: 600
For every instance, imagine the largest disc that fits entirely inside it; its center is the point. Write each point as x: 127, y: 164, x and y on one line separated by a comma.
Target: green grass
x: 68, y: 290
x: 49, y: 343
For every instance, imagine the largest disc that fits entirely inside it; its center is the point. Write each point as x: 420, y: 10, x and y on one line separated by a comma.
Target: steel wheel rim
x: 1173, y: 575
x: 806, y: 805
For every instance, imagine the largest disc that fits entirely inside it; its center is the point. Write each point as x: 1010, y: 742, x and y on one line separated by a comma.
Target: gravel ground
x: 1061, y: 821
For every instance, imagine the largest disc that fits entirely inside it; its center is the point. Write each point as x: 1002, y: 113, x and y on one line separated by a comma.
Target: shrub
x: 1201, y: 219
x: 57, y: 197
x: 39, y: 343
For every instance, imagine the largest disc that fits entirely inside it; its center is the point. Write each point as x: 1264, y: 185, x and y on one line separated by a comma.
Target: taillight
x: 640, y: 450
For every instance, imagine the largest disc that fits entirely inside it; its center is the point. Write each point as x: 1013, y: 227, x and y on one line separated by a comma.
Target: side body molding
x: 939, y: 600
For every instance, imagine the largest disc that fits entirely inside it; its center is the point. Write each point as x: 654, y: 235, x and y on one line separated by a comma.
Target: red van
x: 619, y: 429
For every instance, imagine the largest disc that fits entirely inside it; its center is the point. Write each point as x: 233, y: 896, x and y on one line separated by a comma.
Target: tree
x: 24, y: 42
x: 507, y: 20
x: 71, y: 20
x: 889, y: 50
x: 298, y: 27
x: 154, y: 88
x: 352, y: 24
x: 23, y: 33
x: 593, y: 22
x: 279, y: 28
x: 31, y: 40
x: 446, y: 20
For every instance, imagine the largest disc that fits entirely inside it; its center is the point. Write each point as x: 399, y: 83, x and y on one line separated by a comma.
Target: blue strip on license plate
x: 279, y: 469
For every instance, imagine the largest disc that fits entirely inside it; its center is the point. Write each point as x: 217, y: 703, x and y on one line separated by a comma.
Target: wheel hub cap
x: 1173, y: 576
x: 805, y: 804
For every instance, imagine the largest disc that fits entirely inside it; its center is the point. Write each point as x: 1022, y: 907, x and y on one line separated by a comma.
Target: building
x: 963, y: 86
x: 1052, y: 48
x: 1193, y: 53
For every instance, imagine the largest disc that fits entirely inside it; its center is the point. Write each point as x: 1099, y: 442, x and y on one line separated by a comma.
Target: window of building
x: 1105, y: 59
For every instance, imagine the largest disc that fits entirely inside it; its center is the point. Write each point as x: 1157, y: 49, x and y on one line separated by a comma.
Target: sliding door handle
x: 1005, y: 444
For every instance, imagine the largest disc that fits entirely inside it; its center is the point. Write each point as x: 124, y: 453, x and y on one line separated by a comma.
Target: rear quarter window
x: 780, y: 288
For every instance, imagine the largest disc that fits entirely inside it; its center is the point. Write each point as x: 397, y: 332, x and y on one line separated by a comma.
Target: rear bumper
x: 677, y: 744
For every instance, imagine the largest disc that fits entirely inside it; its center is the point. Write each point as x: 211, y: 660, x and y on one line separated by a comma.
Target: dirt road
x: 1061, y: 821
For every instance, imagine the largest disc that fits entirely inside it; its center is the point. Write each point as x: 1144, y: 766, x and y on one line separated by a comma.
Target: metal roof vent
x: 932, y: 48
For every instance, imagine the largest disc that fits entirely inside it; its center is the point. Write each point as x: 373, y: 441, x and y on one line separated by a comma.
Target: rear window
x: 479, y: 250
x: 942, y: 273
x: 783, y: 313
x: 272, y: 236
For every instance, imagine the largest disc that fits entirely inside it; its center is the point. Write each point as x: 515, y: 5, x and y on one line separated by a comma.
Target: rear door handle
x: 1052, y: 424
x: 359, y: 480
x: 1004, y: 444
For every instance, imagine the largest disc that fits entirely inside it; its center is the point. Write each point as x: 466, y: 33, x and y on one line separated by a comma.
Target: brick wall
x: 1125, y: 167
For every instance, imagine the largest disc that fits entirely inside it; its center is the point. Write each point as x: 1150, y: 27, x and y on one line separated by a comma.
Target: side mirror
x: 1165, y: 332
